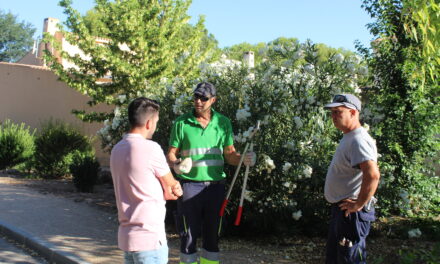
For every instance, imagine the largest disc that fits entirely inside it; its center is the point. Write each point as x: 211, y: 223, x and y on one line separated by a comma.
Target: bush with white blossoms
x: 286, y: 93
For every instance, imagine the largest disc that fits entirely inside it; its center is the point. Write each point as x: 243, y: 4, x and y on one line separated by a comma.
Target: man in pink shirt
x: 142, y: 182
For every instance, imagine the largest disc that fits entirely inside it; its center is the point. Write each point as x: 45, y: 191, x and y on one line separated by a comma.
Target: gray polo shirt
x: 344, y: 176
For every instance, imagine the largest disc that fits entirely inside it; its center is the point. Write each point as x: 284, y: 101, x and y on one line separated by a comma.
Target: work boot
x: 188, y: 258
x: 208, y: 257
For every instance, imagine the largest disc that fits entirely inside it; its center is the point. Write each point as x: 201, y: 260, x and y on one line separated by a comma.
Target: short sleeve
x: 362, y: 150
x: 175, y: 139
x: 158, y: 161
x: 229, y: 137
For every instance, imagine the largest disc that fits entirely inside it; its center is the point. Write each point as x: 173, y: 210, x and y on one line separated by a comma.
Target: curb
x: 43, y: 248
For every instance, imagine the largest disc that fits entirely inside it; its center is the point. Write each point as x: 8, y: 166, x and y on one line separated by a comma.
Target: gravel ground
x: 382, y: 249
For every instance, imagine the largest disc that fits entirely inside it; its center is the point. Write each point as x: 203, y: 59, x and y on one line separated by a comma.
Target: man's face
x: 202, y: 103
x: 342, y: 117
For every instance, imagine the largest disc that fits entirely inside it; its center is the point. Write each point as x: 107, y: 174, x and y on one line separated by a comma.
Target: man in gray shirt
x: 350, y: 184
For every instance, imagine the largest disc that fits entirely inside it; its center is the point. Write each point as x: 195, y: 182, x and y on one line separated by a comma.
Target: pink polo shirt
x: 136, y: 163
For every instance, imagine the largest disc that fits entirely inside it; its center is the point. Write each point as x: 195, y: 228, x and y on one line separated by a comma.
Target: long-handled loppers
x: 225, y: 202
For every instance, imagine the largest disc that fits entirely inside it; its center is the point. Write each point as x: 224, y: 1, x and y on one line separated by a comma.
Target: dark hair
x: 139, y: 110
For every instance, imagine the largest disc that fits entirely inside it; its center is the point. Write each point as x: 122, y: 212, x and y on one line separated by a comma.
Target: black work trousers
x: 198, y: 215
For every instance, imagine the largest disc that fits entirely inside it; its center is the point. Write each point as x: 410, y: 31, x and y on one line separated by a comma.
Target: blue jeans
x: 157, y: 256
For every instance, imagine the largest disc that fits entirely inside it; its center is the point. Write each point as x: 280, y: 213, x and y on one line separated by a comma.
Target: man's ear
x: 353, y: 112
x: 214, y: 99
x: 148, y: 124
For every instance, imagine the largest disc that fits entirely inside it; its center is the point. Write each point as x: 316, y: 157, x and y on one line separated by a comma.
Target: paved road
x: 10, y: 253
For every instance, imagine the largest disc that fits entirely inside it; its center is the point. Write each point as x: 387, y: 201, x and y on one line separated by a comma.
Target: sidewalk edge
x: 44, y: 248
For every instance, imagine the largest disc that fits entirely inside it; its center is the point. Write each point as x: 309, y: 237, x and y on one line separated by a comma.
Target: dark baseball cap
x: 347, y: 100
x: 205, y: 89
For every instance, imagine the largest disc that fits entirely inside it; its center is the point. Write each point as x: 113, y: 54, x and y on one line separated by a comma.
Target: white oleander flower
x: 248, y: 195
x: 122, y: 98
x: 268, y: 164
x: 298, y: 122
x: 309, y: 68
x: 307, y: 172
x: 290, y: 145
x: 363, y: 70
x: 350, y: 67
x: 298, y: 54
x: 171, y: 88
x: 243, y: 114
x: 116, y: 122
x: 117, y: 111
x: 339, y: 58
x: 239, y: 138
x: 247, y: 133
x: 414, y: 233
x: 286, y: 166
x: 297, y: 215
x: 357, y: 59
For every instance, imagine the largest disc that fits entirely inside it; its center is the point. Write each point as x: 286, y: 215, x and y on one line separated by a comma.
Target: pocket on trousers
x: 367, y: 216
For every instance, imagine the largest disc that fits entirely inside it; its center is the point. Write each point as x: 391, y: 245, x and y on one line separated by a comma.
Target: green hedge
x: 16, y: 144
x: 54, y: 148
x: 84, y: 169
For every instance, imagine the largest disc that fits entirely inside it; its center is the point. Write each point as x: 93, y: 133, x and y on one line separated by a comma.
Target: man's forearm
x: 168, y: 184
x: 171, y: 157
x: 370, y: 181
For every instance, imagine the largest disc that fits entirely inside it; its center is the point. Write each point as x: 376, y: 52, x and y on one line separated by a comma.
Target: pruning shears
x: 250, y: 146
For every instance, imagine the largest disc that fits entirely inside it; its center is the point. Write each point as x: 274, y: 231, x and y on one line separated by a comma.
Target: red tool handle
x: 222, y: 210
x: 239, y: 212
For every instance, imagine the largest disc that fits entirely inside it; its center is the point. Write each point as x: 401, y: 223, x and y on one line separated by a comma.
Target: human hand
x: 349, y: 206
x: 182, y: 166
x: 169, y: 194
x: 177, y: 189
x: 250, y: 158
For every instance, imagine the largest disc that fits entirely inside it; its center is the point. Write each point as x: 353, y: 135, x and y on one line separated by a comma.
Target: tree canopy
x: 405, y: 112
x: 16, y: 38
x: 147, y: 42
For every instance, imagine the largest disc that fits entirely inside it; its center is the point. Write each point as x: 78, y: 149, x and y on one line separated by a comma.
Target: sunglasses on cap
x: 340, y: 98
x: 201, y: 98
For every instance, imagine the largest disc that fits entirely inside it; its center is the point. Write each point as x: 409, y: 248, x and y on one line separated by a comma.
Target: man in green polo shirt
x: 206, y: 137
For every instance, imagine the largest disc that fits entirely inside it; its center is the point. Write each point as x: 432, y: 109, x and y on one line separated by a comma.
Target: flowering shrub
x: 286, y: 92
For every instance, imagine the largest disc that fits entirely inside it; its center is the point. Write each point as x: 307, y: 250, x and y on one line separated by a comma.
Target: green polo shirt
x: 204, y: 145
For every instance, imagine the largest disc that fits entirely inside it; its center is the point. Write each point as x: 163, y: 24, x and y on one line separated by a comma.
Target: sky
x: 336, y: 23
